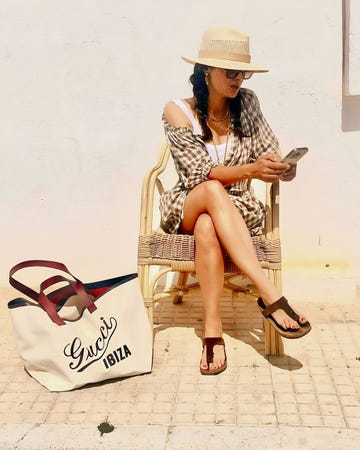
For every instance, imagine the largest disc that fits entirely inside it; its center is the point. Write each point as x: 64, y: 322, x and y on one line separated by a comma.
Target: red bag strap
x: 34, y: 263
x: 48, y: 305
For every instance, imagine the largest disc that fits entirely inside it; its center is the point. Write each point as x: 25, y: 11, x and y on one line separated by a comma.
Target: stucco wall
x: 83, y: 87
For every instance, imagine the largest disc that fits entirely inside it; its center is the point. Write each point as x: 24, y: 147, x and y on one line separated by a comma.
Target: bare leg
x: 209, y: 266
x: 210, y: 197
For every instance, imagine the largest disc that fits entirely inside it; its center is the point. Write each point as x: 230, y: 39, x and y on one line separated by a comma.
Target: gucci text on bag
x: 82, y: 357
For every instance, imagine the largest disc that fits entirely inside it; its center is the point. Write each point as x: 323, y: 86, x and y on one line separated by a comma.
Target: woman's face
x: 218, y: 83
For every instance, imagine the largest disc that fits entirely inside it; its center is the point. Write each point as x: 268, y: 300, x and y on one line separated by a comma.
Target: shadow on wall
x: 351, y: 62
x: 351, y: 113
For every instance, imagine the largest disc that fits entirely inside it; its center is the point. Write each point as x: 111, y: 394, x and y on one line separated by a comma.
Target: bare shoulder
x: 175, y: 116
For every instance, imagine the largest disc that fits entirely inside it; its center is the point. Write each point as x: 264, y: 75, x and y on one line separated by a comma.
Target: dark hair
x: 201, y: 94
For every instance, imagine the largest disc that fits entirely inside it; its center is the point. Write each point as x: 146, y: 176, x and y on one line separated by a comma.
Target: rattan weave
x: 176, y: 250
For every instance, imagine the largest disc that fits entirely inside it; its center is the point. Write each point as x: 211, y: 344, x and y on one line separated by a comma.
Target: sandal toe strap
x: 283, y: 304
x: 209, y: 343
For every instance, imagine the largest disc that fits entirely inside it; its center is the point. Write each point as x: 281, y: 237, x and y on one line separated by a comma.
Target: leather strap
x: 210, y: 342
x: 40, y: 297
x: 283, y: 304
x: 34, y: 263
x: 76, y: 287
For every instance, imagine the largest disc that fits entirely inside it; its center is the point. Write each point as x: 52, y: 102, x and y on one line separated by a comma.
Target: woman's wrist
x: 246, y: 172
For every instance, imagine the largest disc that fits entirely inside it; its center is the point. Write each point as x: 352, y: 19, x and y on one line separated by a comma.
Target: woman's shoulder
x: 249, y: 98
x: 174, y: 112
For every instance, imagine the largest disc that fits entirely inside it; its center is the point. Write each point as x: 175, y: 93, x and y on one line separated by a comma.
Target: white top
x: 220, y: 151
x: 197, y: 130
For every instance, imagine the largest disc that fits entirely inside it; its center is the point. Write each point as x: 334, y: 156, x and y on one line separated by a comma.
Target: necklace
x: 223, y: 128
x: 220, y: 126
x: 225, y: 152
x: 219, y: 119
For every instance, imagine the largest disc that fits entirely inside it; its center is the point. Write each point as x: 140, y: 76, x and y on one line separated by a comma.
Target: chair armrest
x: 272, y: 214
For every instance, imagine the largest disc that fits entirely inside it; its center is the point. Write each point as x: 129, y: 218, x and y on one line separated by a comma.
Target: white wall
x: 352, y: 48
x: 83, y: 86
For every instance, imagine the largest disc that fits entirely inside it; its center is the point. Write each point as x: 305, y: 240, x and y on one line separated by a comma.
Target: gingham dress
x: 193, y: 164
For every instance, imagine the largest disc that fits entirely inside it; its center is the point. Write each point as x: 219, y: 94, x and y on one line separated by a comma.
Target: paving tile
x: 289, y: 419
x: 139, y: 417
x: 182, y: 418
x: 330, y: 410
x: 247, y: 419
x: 353, y: 422
x: 204, y: 418
x: 334, y: 421
x: 287, y: 408
x: 311, y: 420
x: 306, y: 398
x: 285, y: 397
x: 247, y: 408
x: 54, y: 417
x: 349, y: 400
x: 267, y: 419
x: 352, y: 411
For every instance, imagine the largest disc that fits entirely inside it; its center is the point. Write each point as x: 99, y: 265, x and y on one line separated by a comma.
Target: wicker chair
x: 175, y: 252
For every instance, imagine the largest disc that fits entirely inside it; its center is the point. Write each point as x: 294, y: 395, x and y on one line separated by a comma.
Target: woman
x: 219, y: 140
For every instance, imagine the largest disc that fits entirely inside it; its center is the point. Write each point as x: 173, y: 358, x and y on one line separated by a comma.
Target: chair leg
x: 273, y: 342
x: 144, y: 274
x: 274, y: 345
x: 150, y: 313
x: 181, y: 281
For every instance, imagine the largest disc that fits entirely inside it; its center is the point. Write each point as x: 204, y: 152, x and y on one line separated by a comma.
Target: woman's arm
x: 192, y: 161
x: 267, y: 168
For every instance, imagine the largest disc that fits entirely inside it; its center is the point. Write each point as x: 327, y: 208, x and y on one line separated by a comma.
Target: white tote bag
x: 81, y: 333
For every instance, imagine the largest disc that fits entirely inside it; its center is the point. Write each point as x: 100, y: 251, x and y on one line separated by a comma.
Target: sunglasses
x: 233, y: 73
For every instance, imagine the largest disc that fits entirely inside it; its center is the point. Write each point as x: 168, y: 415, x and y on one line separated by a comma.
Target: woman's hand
x: 269, y: 168
x: 289, y: 174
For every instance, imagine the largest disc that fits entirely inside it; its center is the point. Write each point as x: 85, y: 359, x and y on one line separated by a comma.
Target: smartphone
x: 295, y: 154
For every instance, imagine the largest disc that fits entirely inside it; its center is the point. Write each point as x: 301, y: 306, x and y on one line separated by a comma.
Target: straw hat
x: 225, y: 48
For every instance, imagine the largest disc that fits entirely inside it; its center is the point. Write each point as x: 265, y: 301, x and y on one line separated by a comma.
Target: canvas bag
x: 80, y: 333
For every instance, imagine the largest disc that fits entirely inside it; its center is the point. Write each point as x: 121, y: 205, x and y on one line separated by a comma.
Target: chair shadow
x: 241, y: 320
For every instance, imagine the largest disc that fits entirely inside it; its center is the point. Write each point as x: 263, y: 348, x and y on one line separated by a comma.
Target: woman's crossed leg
x: 218, y: 226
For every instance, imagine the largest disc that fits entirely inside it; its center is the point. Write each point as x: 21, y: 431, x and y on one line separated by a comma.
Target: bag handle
x: 50, y: 306
x: 34, y: 263
x: 41, y: 298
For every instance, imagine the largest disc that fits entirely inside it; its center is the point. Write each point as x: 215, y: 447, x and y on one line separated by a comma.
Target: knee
x: 213, y: 188
x: 204, y: 231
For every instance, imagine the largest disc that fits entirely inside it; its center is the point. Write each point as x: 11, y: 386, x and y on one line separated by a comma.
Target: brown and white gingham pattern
x: 193, y: 164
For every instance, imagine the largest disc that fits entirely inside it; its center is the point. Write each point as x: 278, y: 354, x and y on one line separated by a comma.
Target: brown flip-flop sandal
x: 209, y: 343
x: 283, y: 304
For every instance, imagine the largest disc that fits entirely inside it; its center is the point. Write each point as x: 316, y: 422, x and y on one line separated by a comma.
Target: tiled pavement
x: 309, y: 398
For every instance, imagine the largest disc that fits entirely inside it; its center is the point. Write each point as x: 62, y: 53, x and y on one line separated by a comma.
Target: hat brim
x: 225, y: 64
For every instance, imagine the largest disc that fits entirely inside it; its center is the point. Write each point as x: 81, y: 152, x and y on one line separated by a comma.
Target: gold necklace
x: 215, y: 119
x: 220, y: 126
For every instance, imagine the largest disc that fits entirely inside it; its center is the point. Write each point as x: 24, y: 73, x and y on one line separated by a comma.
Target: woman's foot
x: 218, y: 358
x: 213, y: 360
x: 213, y: 329
x: 284, y: 319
